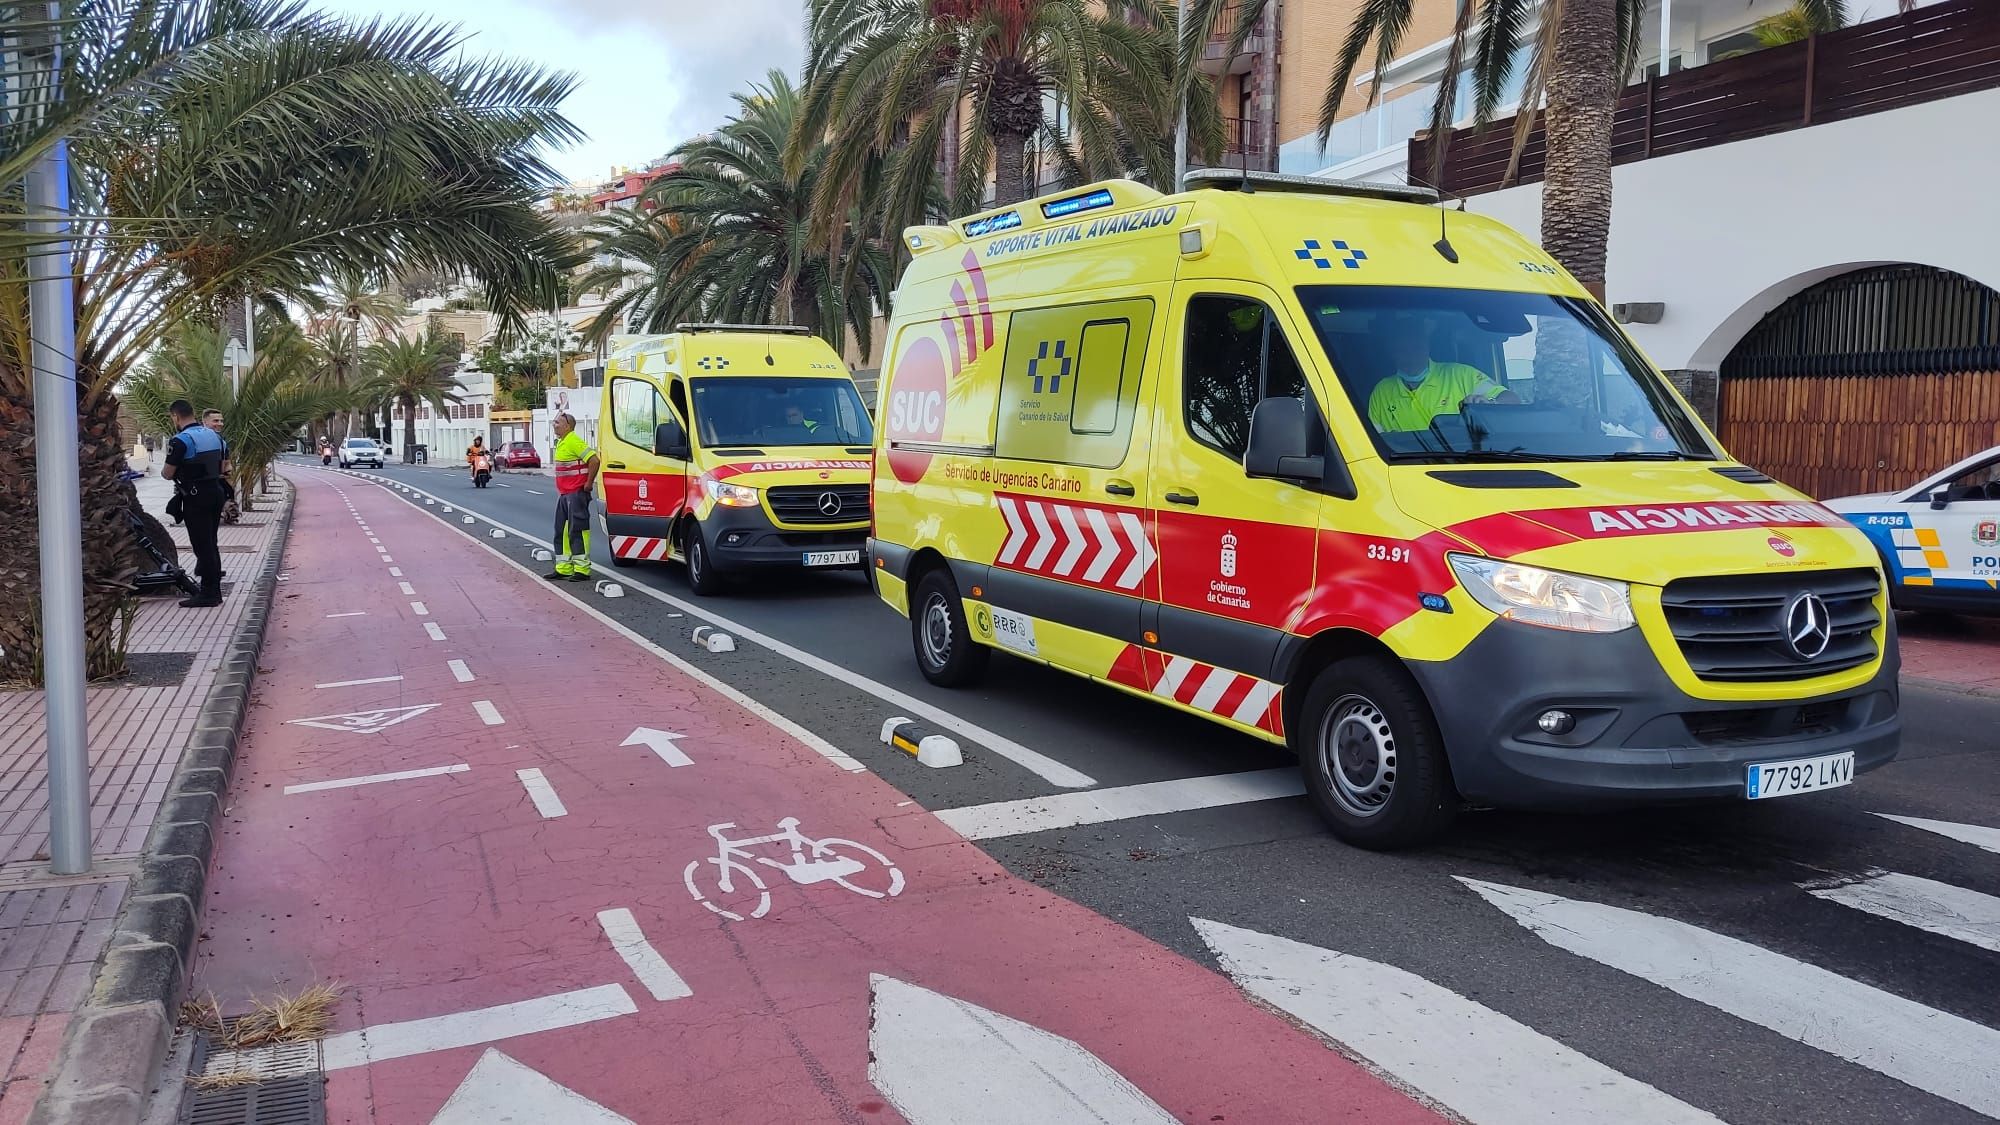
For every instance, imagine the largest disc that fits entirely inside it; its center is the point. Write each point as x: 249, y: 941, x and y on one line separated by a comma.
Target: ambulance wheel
x: 702, y: 577
x: 946, y: 653
x: 1373, y: 759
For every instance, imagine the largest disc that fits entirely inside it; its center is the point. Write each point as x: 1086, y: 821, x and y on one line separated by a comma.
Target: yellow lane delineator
x: 921, y: 742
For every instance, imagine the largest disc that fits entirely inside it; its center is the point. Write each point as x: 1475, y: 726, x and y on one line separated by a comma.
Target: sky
x: 652, y: 72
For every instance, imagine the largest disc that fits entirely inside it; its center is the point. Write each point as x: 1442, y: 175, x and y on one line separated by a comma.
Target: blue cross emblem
x: 1040, y: 367
x: 1322, y: 256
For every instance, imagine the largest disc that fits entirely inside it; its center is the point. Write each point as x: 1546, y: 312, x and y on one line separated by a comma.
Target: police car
x: 1939, y: 541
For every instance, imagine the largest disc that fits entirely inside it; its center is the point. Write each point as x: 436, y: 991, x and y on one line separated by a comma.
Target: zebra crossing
x: 1491, y: 1069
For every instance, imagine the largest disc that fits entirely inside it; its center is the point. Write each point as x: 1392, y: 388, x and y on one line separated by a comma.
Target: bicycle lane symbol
x: 733, y: 868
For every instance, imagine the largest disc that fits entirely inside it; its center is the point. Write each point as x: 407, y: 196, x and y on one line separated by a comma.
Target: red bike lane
x: 511, y: 916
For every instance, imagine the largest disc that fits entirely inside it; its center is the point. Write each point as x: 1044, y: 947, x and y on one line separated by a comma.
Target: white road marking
x: 386, y: 559
x: 358, y: 683
x: 1066, y: 810
x: 1939, y: 908
x: 407, y: 589
x: 373, y: 778
x: 1934, y: 1051
x: 1976, y: 835
x: 374, y: 540
x: 371, y: 721
x: 942, y: 1061
x: 350, y: 613
x: 807, y: 738
x: 542, y: 793
x: 419, y: 609
x: 488, y: 714
x: 395, y: 572
x: 432, y: 628
x: 500, y: 1091
x: 652, y: 969
x: 533, y: 492
x: 459, y: 671
x: 481, y: 1025
x: 1482, y: 1065
x: 660, y: 742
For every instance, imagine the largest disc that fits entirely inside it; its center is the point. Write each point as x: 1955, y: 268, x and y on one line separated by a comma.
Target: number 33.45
x: 1382, y: 552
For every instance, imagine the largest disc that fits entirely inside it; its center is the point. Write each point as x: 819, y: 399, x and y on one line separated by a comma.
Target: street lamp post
x: 1181, y: 127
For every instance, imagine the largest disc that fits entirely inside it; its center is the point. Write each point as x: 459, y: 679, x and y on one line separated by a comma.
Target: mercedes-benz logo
x: 1808, y: 628
x: 829, y: 505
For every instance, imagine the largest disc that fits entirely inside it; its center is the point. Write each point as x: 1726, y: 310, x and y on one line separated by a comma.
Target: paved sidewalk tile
x: 1956, y: 651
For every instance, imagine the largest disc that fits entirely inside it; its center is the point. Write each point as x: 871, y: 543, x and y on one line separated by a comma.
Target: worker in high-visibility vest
x: 576, y: 471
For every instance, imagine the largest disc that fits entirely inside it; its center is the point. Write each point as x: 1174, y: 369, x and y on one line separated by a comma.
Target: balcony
x: 1919, y: 56
x: 1242, y: 136
x: 1215, y: 56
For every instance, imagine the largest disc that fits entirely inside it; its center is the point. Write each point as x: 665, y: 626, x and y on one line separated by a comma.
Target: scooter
x: 482, y: 471
x: 152, y: 538
x: 325, y: 457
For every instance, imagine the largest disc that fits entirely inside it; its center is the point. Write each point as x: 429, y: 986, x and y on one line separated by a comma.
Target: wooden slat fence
x: 1837, y: 435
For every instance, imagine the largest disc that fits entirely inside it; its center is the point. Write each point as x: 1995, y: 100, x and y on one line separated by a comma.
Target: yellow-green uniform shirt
x: 573, y: 448
x: 1393, y: 407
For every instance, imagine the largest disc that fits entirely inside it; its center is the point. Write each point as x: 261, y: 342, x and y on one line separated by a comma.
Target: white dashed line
x: 358, y: 683
x: 542, y: 793
x: 408, y: 590
x: 353, y: 613
x: 652, y: 969
x: 418, y: 609
x: 395, y: 572
x: 488, y: 714
x: 375, y: 778
x: 432, y: 628
x: 459, y: 671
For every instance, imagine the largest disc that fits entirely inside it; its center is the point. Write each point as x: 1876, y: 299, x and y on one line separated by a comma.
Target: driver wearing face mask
x: 1421, y: 388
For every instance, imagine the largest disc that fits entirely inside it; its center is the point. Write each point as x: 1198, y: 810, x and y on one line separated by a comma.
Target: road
x: 1802, y: 960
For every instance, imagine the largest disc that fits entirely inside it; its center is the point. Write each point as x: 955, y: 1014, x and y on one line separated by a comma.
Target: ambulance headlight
x: 1549, y: 598
x: 729, y: 495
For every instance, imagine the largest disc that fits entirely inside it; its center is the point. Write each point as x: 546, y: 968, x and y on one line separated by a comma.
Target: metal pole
x: 59, y: 514
x: 1181, y: 127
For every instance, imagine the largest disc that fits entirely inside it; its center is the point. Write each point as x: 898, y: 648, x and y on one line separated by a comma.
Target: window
x: 1467, y: 374
x: 1981, y: 482
x: 1069, y: 386
x: 636, y: 410
x: 1236, y: 356
x: 778, y: 411
x: 1730, y: 46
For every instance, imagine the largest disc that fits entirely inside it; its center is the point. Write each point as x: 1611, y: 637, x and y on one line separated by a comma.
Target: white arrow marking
x: 1934, y: 1051
x: 1977, y: 836
x: 363, y: 722
x: 1484, y: 1065
x: 1074, y: 537
x: 1143, y: 554
x: 1107, y: 546
x: 942, y: 1061
x: 1940, y: 908
x: 660, y: 742
x: 1017, y: 533
x: 1045, y: 540
x: 500, y: 1091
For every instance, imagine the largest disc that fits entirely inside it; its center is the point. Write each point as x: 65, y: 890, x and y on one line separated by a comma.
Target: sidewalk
x: 53, y: 929
x: 1954, y: 652
x: 496, y: 823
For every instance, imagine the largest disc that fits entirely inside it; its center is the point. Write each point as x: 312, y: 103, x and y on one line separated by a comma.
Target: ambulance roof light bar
x: 1230, y: 179
x: 780, y: 329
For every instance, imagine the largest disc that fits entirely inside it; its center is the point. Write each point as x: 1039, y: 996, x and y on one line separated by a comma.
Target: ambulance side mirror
x: 670, y: 440
x: 1282, y: 443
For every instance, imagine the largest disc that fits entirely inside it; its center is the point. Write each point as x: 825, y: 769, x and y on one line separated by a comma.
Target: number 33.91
x: 1382, y: 552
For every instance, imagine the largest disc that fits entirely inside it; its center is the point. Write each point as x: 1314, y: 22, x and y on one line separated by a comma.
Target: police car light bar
x: 1229, y: 179
x: 780, y: 329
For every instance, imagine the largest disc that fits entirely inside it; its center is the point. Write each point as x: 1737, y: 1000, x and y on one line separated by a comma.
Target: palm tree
x: 406, y: 372
x: 263, y: 411
x: 888, y: 79
x: 1580, y: 57
x: 341, y: 311
x: 264, y: 160
x: 729, y: 236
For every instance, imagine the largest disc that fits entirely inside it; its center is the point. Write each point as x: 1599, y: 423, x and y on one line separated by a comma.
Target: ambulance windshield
x: 1466, y: 374
x: 769, y: 411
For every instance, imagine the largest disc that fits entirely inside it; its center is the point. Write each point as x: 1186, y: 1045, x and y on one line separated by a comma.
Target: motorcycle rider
x: 473, y: 453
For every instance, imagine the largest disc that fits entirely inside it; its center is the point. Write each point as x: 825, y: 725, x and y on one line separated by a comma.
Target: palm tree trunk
x: 409, y: 406
x: 1010, y: 168
x: 1583, y: 96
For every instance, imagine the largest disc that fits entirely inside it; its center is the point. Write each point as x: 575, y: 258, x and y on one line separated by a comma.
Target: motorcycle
x: 325, y: 456
x: 482, y: 471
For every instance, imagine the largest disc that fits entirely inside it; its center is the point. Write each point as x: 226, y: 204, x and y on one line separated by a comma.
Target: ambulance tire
x: 946, y: 653
x: 701, y: 572
x: 1367, y: 719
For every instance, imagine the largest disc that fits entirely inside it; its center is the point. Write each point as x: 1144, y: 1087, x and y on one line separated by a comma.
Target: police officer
x: 576, y: 469
x: 194, y: 463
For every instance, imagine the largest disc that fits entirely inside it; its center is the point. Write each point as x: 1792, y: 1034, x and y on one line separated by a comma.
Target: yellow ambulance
x: 1337, y: 468
x: 732, y: 449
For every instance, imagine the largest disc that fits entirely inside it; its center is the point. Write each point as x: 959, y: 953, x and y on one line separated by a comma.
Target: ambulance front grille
x: 804, y: 505
x: 1734, y: 628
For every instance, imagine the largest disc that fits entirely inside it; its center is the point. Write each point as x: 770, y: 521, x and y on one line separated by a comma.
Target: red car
x: 518, y: 455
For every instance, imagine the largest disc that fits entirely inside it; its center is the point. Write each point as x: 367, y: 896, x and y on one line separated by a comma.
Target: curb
x: 116, y: 1042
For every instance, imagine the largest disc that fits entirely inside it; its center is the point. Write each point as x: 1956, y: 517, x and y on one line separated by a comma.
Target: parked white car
x: 1939, y: 540
x: 360, y: 451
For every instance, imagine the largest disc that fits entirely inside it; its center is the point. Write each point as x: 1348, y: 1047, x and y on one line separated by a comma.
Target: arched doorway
x: 1866, y: 381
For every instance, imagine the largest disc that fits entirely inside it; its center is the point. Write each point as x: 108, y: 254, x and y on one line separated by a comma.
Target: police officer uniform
x: 196, y: 454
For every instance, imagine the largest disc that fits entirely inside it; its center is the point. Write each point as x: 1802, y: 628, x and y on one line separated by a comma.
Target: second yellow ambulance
x: 1335, y: 468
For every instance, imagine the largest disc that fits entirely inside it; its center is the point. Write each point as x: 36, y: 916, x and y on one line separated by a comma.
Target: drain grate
x: 281, y: 1101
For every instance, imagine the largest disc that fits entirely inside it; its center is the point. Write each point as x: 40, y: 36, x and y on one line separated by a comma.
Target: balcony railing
x: 1242, y: 135
x: 1919, y: 56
